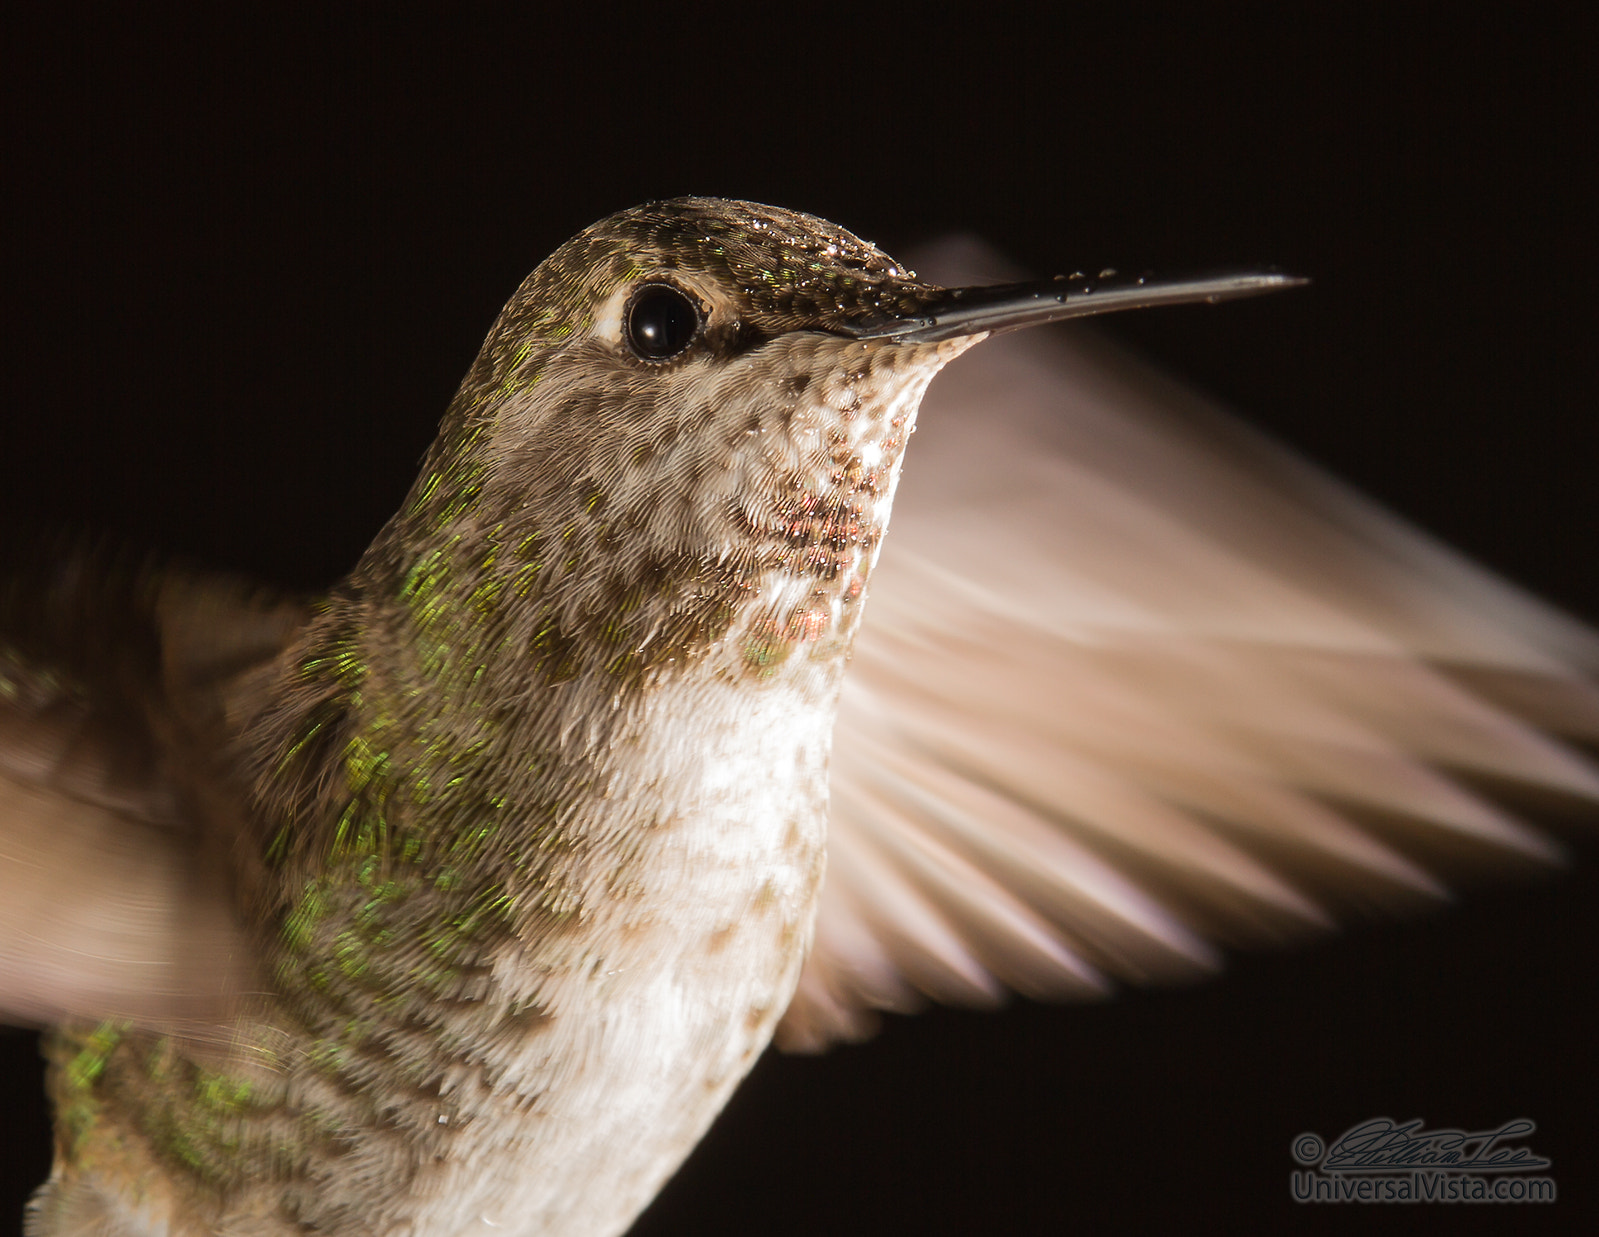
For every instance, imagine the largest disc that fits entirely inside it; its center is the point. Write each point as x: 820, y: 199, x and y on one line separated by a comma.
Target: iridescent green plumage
x: 456, y: 772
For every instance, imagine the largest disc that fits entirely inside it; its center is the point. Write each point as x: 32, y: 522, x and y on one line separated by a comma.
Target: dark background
x: 244, y: 270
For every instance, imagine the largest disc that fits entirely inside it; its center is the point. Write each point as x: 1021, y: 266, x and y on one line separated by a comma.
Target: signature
x: 1383, y: 1144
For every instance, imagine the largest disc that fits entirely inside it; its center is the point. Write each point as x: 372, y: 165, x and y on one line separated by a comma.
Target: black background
x: 244, y: 270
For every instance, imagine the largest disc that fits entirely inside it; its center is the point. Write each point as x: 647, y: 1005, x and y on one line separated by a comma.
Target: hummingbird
x: 459, y: 899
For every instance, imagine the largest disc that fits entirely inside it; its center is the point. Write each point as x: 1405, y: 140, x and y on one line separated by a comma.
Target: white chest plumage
x: 651, y: 1029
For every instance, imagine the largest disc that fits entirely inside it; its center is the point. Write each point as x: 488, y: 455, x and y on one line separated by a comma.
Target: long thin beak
x: 1005, y: 307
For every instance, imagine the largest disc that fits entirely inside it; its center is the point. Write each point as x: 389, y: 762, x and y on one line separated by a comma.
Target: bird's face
x: 685, y: 429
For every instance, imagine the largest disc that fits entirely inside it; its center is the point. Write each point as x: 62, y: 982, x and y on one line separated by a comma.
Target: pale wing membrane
x: 1136, y: 682
x: 114, y: 895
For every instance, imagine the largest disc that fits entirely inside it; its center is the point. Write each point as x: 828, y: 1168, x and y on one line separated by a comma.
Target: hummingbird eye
x: 661, y: 322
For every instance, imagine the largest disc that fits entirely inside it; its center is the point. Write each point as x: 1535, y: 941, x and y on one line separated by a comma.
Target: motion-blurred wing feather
x: 114, y: 890
x: 1135, y: 680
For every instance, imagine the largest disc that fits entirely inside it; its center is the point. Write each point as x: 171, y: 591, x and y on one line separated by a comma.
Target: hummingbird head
x: 684, y: 432
x: 675, y: 429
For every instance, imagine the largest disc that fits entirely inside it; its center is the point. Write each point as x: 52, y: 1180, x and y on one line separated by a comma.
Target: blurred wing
x: 114, y: 895
x: 1135, y: 681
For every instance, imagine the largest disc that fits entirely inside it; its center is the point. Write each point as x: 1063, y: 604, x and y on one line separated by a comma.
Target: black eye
x: 661, y: 322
